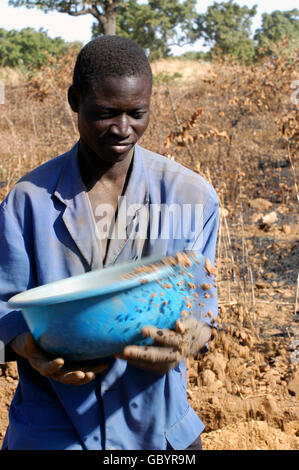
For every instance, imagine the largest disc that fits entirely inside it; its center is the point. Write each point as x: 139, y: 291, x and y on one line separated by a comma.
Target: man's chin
x: 115, y: 152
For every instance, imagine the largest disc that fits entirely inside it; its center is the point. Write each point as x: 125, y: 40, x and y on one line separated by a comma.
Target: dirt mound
x: 250, y: 435
x: 245, y: 389
x: 8, y: 384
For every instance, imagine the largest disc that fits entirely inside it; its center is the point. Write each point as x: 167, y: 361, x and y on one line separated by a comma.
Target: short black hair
x: 107, y: 56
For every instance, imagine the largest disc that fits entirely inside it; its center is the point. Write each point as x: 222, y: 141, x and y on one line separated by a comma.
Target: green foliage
x: 155, y: 25
x: 226, y: 27
x: 195, y: 55
x: 275, y: 27
x: 29, y: 48
x: 105, y: 11
x: 47, y: 5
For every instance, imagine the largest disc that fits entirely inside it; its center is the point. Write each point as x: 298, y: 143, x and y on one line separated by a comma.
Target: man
x: 52, y: 227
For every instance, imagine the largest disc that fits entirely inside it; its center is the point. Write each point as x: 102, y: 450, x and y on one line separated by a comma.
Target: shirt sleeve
x: 15, y: 276
x: 205, y: 304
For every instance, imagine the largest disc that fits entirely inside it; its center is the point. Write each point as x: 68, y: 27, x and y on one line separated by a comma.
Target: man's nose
x: 121, y: 125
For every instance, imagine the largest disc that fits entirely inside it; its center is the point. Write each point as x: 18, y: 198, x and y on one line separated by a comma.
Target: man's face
x: 113, y: 115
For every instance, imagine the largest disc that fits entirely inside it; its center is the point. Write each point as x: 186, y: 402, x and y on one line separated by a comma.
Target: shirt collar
x: 78, y: 218
x: 70, y: 183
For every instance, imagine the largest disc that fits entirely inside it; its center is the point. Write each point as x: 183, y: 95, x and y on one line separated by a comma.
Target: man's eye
x: 103, y: 116
x: 138, y: 115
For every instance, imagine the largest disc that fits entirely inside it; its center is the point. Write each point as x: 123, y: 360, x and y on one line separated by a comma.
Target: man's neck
x: 95, y: 171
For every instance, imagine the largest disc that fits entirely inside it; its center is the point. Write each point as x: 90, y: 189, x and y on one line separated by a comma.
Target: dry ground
x: 238, y: 128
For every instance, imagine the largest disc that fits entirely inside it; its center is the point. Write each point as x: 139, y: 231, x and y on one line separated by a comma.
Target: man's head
x: 109, y: 56
x: 111, y: 93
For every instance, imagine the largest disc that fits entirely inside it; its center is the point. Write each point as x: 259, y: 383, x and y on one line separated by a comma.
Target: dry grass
x: 12, y: 76
x: 189, y: 71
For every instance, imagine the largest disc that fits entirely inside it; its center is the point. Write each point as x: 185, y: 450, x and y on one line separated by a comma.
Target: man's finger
x: 164, y: 337
x: 78, y: 377
x: 96, y: 369
x: 158, y: 367
x: 151, y: 354
x: 184, y: 324
x: 46, y: 368
x: 73, y: 377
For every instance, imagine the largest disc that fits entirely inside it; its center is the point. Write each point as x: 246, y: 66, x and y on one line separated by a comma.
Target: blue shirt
x: 48, y: 233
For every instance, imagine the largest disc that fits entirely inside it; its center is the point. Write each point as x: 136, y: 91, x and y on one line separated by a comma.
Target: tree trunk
x: 109, y: 17
x: 109, y: 23
x: 106, y: 17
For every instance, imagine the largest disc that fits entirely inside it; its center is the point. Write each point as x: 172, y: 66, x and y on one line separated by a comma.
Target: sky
x: 79, y: 28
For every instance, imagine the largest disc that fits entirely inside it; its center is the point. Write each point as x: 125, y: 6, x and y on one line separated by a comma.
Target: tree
x: 104, y: 11
x: 29, y: 48
x: 226, y: 27
x: 155, y: 25
x: 276, y: 26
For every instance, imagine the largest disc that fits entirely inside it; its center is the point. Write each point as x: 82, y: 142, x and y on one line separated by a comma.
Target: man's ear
x: 73, y: 98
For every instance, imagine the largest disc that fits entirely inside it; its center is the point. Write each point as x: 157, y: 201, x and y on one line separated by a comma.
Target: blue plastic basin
x: 97, y: 314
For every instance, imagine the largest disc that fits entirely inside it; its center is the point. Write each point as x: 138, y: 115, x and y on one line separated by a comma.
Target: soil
x: 246, y: 388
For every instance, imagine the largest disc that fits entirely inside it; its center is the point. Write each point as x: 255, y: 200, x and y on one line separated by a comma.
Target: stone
x: 208, y: 377
x: 260, y: 204
x: 293, y: 385
x: 270, y: 218
x: 215, y: 386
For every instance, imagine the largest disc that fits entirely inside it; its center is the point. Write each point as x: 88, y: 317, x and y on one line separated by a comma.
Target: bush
x: 29, y: 48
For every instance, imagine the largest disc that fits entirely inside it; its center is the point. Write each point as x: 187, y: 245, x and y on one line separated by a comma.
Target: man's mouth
x: 118, y: 146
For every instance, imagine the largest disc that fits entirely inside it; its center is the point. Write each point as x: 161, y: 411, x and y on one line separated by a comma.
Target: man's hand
x: 187, y: 339
x: 57, y: 369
